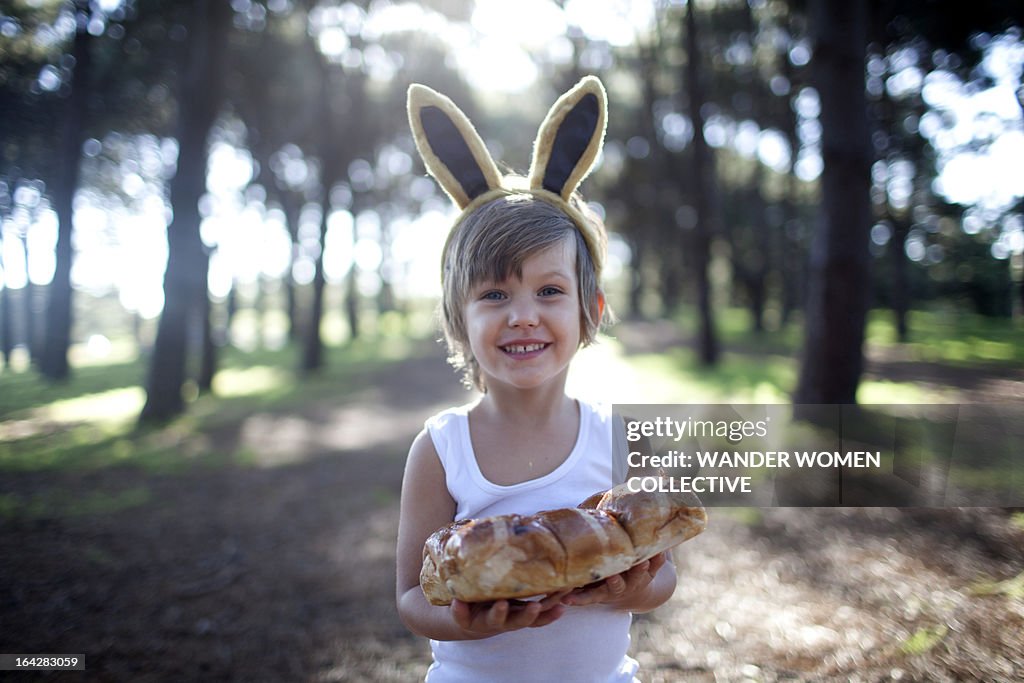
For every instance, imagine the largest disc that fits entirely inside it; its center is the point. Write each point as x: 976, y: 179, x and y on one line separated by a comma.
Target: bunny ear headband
x: 564, y: 152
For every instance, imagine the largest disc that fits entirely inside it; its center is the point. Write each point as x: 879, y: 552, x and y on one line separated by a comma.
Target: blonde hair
x: 491, y: 243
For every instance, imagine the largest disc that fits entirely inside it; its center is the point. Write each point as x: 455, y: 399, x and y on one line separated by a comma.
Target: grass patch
x: 734, y: 327
x: 924, y: 639
x: 763, y: 367
x: 90, y: 422
x: 953, y: 337
x: 58, y: 504
x: 747, y: 516
x: 678, y: 377
x: 940, y: 335
x: 25, y: 390
x: 1012, y: 587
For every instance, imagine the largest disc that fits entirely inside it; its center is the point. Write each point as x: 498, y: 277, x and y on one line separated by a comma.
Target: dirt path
x: 857, y: 594
x: 279, y: 571
x: 283, y: 571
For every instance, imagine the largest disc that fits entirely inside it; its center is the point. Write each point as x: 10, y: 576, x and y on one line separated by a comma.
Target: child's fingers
x: 642, y: 575
x: 461, y: 614
x: 592, y: 595
x: 639, y: 569
x: 634, y: 577
x: 478, y: 617
x: 657, y: 562
x: 527, y: 616
x: 502, y: 615
x: 553, y: 599
x: 616, y: 586
x: 496, y: 616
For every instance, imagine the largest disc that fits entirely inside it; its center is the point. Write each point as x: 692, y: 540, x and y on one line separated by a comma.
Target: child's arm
x: 427, y: 506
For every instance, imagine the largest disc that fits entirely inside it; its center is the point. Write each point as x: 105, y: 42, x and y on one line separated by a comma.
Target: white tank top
x: 587, y: 644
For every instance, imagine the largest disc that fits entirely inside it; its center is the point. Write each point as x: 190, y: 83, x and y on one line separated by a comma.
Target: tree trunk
x: 231, y: 306
x: 791, y: 262
x: 1020, y: 293
x: 900, y: 280
x: 651, y: 230
x: 29, y: 310
x: 636, y: 280
x: 53, y: 362
x: 759, y: 257
x: 352, y: 303
x: 838, y: 286
x: 671, y: 285
x: 208, y: 362
x: 185, y: 280
x: 886, y: 123
x: 1019, y: 307
x: 704, y: 175
x: 259, y: 312
x: 386, y: 294
x: 6, y: 330
x: 292, y: 210
x: 312, y: 348
x: 136, y: 322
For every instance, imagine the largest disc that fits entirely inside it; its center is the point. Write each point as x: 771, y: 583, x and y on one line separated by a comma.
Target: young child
x: 521, y: 295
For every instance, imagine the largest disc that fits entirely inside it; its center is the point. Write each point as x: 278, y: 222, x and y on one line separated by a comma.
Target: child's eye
x: 550, y: 291
x: 492, y: 295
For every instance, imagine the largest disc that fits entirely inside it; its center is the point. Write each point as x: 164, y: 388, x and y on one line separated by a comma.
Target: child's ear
x: 451, y: 148
x: 570, y: 139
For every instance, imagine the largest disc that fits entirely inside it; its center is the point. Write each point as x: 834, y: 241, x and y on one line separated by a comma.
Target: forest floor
x: 281, y: 567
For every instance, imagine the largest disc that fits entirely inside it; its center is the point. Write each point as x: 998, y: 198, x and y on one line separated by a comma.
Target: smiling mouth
x: 523, y: 348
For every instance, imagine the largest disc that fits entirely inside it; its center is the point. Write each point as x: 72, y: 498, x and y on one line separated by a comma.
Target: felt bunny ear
x: 570, y: 139
x: 451, y: 148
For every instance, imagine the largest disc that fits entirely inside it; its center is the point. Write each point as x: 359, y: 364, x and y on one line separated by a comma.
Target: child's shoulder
x: 601, y: 410
x: 448, y: 416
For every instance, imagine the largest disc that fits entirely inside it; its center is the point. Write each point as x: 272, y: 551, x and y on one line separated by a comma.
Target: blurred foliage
x: 313, y: 108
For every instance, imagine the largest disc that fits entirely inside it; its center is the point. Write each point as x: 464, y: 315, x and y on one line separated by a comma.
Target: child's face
x: 524, y: 332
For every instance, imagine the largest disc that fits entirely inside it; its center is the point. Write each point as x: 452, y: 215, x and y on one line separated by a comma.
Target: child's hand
x: 482, y: 619
x: 618, y: 590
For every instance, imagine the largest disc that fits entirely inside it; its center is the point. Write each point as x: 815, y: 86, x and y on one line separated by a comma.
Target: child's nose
x: 523, y: 314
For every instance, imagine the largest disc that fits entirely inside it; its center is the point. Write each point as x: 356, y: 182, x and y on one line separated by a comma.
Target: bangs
x: 499, y: 259
x: 517, y: 228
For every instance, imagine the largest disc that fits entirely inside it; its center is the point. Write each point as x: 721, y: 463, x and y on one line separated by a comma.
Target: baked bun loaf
x: 433, y: 553
x: 518, y: 556
x: 655, y: 521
